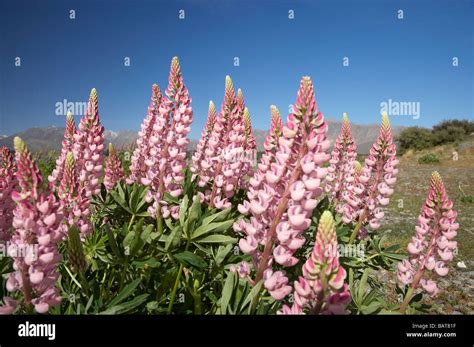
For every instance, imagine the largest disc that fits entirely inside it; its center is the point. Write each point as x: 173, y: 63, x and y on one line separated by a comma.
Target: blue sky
x: 407, y: 60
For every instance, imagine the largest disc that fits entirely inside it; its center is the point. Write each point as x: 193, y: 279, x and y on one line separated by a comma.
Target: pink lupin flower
x: 341, y: 169
x: 257, y: 181
x: 138, y: 168
x: 282, y: 198
x: 7, y: 185
x: 168, y: 141
x: 250, y: 151
x: 321, y: 289
x: 67, y: 146
x: 37, y: 224
x: 74, y: 206
x: 433, y: 245
x: 113, y: 169
x: 89, y: 148
x: 370, y: 193
x: 200, y: 165
x: 226, y: 155
x: 212, y: 162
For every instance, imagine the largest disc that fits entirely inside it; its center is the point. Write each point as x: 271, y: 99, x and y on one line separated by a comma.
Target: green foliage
x: 450, y: 131
x: 449, y: 127
x: 468, y: 199
x: 428, y: 159
x: 415, y: 138
x: 46, y: 162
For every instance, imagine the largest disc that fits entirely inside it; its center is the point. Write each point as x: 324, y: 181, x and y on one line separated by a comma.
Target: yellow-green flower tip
x: 326, y: 223
x: 19, y: 144
x: 345, y: 117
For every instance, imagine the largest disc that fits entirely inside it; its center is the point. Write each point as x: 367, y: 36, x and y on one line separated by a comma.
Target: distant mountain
x: 50, y: 138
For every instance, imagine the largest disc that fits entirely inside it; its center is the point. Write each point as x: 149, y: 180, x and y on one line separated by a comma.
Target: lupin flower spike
x: 88, y: 152
x: 321, y: 289
x: 268, y: 156
x: 341, y: 170
x: 138, y: 168
x: 89, y: 148
x: 7, y: 185
x: 226, y: 157
x: 74, y: 206
x: 433, y: 245
x: 371, y: 191
x: 75, y: 249
x: 113, y: 169
x: 250, y: 151
x: 168, y: 143
x: 67, y: 146
x: 37, y: 224
x: 281, y: 201
x: 200, y: 165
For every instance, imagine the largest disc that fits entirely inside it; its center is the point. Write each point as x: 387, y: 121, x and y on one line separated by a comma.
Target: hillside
x: 50, y: 138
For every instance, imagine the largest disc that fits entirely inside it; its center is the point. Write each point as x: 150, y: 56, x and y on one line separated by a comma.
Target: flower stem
x: 176, y: 284
x: 355, y: 232
x: 175, y: 288
x: 84, y: 283
x: 159, y: 223
x: 131, y: 221
x: 409, y: 293
x: 406, y: 300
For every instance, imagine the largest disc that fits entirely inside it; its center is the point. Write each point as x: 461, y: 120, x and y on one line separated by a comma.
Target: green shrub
x: 448, y: 131
x: 429, y: 159
x: 415, y: 138
x: 468, y: 199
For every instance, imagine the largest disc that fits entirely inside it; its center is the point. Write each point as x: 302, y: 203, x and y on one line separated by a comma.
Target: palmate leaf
x: 120, y: 200
x: 130, y: 198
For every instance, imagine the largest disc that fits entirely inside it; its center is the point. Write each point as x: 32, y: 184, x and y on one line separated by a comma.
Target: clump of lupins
x: 168, y: 141
x: 113, y: 169
x: 340, y: 175
x: 370, y: 192
x: 67, y: 146
x: 433, y: 245
x: 7, y: 185
x: 225, y: 154
x: 138, y: 168
x: 37, y: 223
x: 74, y: 206
x: 321, y: 289
x: 281, y: 201
x: 89, y: 148
x: 201, y: 160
